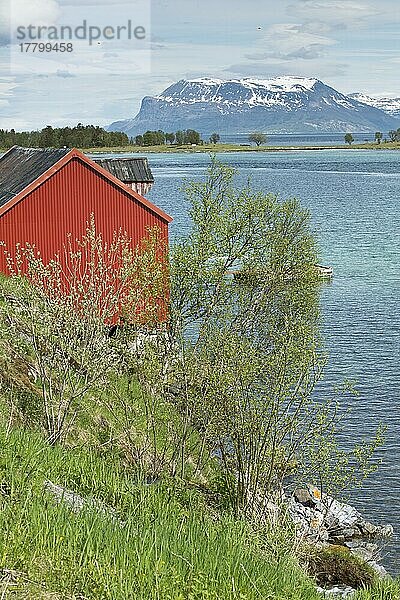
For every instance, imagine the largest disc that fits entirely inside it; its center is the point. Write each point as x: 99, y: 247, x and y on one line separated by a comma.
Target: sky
x: 352, y: 45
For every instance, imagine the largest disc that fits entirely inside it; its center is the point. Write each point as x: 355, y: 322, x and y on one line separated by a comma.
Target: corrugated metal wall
x: 63, y: 204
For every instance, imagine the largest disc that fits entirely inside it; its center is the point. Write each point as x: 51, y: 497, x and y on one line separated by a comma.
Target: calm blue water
x: 354, y: 198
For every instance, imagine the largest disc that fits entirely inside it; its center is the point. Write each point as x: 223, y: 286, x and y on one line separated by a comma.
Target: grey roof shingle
x: 21, y: 166
x: 128, y: 170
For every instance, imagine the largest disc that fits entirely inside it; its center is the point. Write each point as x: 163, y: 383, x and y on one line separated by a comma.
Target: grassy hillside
x: 161, y: 540
x: 161, y: 543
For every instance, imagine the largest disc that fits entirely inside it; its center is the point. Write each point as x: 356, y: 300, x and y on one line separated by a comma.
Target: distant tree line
x: 80, y: 136
x: 394, y: 136
x: 159, y: 138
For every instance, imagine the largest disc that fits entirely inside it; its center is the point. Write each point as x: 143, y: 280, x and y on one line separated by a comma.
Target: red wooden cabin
x: 47, y: 194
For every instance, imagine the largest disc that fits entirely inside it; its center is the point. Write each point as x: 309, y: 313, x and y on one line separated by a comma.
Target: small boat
x: 325, y: 272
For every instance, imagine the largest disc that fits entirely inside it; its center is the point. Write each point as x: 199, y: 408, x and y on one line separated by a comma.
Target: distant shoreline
x: 225, y: 148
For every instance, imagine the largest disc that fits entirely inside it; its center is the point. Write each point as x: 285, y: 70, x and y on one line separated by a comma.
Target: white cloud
x: 38, y: 12
x: 108, y: 3
x: 288, y: 41
x: 17, y: 13
x: 336, y: 12
x: 7, y: 84
x: 271, y: 67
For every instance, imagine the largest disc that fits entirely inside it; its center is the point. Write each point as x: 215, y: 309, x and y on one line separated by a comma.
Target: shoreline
x: 229, y: 148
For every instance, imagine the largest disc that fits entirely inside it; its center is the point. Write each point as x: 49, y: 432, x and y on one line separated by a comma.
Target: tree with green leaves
x: 80, y: 136
x: 228, y: 372
x: 258, y: 138
x: 192, y: 137
x: 56, y: 317
x: 348, y: 138
x: 154, y: 138
x: 245, y: 317
x: 180, y: 138
x: 378, y: 137
x: 170, y: 138
x: 139, y: 140
x: 214, y: 138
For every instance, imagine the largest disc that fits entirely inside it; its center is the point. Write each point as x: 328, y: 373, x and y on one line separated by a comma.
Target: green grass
x: 209, y: 148
x: 169, y: 548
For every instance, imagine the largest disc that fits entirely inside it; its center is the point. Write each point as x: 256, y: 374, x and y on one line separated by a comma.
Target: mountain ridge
x: 390, y: 106
x: 284, y: 104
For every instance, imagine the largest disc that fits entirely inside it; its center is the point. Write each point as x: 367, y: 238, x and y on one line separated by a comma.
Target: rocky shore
x: 326, y: 523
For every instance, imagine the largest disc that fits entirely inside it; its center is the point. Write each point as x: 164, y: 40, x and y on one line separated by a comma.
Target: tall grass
x: 161, y: 543
x: 167, y: 545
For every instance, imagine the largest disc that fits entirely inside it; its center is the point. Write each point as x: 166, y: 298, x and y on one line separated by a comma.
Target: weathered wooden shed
x: 135, y: 172
x: 46, y: 194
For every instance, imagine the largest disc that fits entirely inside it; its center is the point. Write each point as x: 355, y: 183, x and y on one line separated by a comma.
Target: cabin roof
x: 24, y: 169
x: 128, y: 170
x: 21, y: 166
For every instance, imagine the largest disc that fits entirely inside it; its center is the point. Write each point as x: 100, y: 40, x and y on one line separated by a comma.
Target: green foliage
x: 250, y: 347
x: 153, y: 138
x: 169, y: 547
x: 80, y: 136
x: 55, y: 317
x: 394, y: 135
x: 214, y: 138
x: 348, y: 138
x: 158, y: 138
x: 386, y: 589
x: 378, y: 137
x: 182, y: 433
x: 170, y: 138
x: 258, y: 138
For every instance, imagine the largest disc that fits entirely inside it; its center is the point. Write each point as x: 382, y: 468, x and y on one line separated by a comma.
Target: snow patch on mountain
x: 391, y: 106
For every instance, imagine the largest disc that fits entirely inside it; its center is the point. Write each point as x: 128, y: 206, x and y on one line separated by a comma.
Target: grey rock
x: 314, y: 511
x: 78, y: 503
x: 322, y: 521
x: 336, y: 592
x: 304, y: 496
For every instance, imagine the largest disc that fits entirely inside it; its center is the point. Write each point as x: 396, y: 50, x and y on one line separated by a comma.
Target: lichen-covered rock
x: 324, y: 521
x: 318, y: 514
x: 77, y: 503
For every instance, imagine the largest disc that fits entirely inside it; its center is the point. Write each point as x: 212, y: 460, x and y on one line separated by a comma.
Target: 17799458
x: 46, y: 47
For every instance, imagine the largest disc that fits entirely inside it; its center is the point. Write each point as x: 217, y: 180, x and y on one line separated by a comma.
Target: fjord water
x: 354, y: 199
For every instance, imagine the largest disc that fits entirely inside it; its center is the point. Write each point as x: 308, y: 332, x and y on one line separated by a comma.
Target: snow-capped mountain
x: 278, y: 105
x: 391, y: 106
